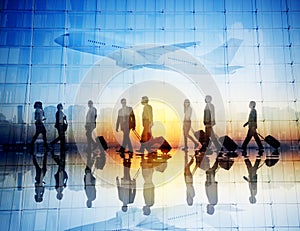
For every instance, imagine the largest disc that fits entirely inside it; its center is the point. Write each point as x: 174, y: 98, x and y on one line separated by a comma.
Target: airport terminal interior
x: 200, y: 78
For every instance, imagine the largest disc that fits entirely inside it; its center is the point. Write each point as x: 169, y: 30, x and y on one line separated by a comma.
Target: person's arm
x: 151, y: 115
x: 118, y: 122
x: 212, y: 114
x: 132, y: 119
x: 95, y: 111
x: 249, y: 120
x: 132, y: 191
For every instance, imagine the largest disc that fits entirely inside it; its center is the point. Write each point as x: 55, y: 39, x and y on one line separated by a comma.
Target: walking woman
x: 187, y: 125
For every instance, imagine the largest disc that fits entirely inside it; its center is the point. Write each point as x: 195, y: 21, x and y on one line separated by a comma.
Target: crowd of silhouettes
x: 126, y: 185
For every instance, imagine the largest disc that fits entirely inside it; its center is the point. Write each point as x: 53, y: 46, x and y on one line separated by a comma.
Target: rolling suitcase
x: 272, y: 141
x: 164, y: 146
x: 158, y: 143
x: 102, y: 142
x: 200, y: 135
x: 228, y: 143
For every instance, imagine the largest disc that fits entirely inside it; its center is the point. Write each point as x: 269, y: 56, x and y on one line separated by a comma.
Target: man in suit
x: 90, y: 125
x: 209, y: 123
x: 252, y: 126
x: 127, y: 186
x: 125, y: 121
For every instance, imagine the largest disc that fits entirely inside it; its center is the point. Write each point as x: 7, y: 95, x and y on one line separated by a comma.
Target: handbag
x: 65, y: 125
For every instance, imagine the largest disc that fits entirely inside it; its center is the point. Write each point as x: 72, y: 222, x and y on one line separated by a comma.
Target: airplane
x: 216, y: 56
x: 170, y: 218
x: 138, y: 56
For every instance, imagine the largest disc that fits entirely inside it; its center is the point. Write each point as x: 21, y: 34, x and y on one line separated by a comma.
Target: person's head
x: 252, y: 199
x: 124, y: 208
x: 186, y: 102
x: 145, y: 100
x: 59, y: 191
x: 252, y: 104
x: 208, y: 99
x: 146, y: 210
x: 123, y: 102
x: 90, y: 103
x: 189, y: 200
x: 59, y: 196
x: 38, y: 198
x: 37, y: 104
x: 210, y: 209
x: 89, y: 204
x: 59, y: 106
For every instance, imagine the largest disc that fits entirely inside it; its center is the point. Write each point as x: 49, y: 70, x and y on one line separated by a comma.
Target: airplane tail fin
x: 217, y: 55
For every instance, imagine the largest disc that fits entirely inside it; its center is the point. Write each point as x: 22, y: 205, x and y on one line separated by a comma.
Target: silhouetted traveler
x: 126, y: 121
x: 209, y: 122
x: 39, y: 178
x: 187, y: 125
x: 127, y: 186
x: 147, y: 118
x: 148, y: 188
x: 211, y: 188
x: 89, y: 186
x: 252, y: 126
x: 188, y: 178
x: 252, y: 178
x: 61, y: 177
x: 39, y: 125
x: 61, y: 126
x: 90, y: 125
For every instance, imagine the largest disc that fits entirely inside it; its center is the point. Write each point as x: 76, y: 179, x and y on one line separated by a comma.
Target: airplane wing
x: 154, y: 53
x: 217, y: 55
x: 156, y: 224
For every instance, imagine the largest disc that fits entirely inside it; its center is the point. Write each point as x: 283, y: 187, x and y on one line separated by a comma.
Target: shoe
x: 244, y: 153
x: 130, y: 154
x: 245, y: 178
x: 220, y: 155
x: 260, y: 152
x: 122, y: 155
x: 121, y: 150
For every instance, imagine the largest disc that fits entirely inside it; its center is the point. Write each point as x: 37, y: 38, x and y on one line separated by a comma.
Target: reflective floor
x: 178, y: 191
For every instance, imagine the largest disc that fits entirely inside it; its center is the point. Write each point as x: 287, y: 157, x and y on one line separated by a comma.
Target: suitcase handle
x: 136, y: 174
x: 136, y: 134
x: 260, y: 136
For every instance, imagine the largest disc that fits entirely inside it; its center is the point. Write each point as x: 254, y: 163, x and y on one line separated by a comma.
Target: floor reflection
x: 182, y: 190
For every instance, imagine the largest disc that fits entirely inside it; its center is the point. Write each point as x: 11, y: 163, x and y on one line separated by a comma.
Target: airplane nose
x: 62, y: 40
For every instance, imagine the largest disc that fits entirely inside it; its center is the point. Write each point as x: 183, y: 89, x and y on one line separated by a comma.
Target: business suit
x: 126, y: 121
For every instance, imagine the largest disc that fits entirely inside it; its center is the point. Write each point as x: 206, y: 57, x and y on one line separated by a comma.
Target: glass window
x: 47, y: 93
